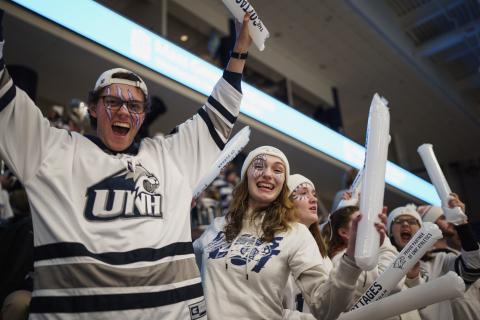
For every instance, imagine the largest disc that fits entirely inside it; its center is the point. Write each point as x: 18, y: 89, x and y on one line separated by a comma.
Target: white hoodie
x: 245, y: 279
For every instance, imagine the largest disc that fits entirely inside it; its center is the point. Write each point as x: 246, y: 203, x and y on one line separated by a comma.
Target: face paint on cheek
x: 119, y: 92
x: 107, y: 108
x: 135, y: 116
x: 258, y: 165
x: 279, y: 177
x: 120, y: 95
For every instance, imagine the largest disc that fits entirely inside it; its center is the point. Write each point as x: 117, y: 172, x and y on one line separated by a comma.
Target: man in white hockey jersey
x: 111, y: 219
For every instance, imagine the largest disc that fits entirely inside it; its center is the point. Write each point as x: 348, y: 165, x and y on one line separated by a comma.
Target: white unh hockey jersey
x: 112, y: 232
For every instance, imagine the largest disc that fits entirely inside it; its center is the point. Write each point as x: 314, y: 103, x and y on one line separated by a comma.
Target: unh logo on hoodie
x: 125, y: 195
x: 244, y: 250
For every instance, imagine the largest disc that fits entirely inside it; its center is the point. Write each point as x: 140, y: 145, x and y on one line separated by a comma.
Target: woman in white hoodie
x: 248, y: 256
x: 304, y: 199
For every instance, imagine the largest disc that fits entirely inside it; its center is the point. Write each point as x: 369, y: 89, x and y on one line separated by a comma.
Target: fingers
x: 355, y: 224
x: 381, y: 229
x: 454, y: 201
x: 243, y: 36
x: 383, y: 218
x: 346, y: 195
x: 353, y: 236
x: 246, y: 17
x: 385, y: 210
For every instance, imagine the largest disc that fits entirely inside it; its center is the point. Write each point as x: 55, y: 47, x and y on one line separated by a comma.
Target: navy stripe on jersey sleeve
x: 7, y: 97
x: 114, y: 302
x: 211, y: 129
x: 220, y: 108
x: 234, y: 79
x: 468, y: 275
x: 75, y: 249
x: 467, y: 237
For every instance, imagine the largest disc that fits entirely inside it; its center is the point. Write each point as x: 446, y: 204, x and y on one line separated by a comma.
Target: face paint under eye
x: 107, y: 108
x: 299, y: 194
x: 279, y: 177
x: 258, y: 165
x: 119, y: 92
x: 135, y: 116
x: 136, y: 119
x: 278, y: 174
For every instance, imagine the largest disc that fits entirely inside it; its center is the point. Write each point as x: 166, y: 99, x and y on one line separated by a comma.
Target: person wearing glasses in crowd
x: 247, y: 256
x: 111, y: 217
x: 403, y: 223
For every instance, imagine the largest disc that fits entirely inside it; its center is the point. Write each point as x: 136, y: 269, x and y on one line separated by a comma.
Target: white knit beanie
x: 269, y: 150
x: 431, y: 214
x: 408, y: 210
x: 295, y: 180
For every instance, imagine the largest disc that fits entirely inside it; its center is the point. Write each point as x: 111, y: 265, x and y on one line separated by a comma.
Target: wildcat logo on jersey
x: 245, y: 248
x: 125, y: 194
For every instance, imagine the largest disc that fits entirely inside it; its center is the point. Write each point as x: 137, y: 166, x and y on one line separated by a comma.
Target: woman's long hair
x: 338, y: 219
x: 276, y: 217
x: 317, y: 235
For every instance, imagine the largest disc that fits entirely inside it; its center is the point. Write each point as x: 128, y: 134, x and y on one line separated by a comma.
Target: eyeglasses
x: 115, y: 103
x: 410, y: 221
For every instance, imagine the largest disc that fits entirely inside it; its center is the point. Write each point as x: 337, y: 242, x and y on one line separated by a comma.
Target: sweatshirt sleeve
x: 25, y: 135
x: 327, y: 292
x: 207, y: 236
x: 196, y: 143
x: 329, y: 295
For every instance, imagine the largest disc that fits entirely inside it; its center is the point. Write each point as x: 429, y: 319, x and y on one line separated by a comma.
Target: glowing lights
x: 105, y: 27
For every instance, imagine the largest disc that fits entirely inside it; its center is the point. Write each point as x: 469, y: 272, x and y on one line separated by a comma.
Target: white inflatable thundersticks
x: 354, y: 190
x: 455, y: 215
x: 256, y: 28
x: 232, y: 148
x: 447, y: 287
x: 416, y: 248
x: 373, y: 186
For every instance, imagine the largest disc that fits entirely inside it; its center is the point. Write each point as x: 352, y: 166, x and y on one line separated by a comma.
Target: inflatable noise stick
x: 354, y: 190
x: 256, y: 28
x: 232, y: 148
x: 373, y: 185
x: 447, y: 287
x: 455, y: 215
x: 416, y: 248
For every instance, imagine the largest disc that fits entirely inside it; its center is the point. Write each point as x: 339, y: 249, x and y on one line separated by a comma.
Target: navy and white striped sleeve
x: 25, y: 135
x: 467, y: 265
x: 219, y: 113
x: 7, y: 89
